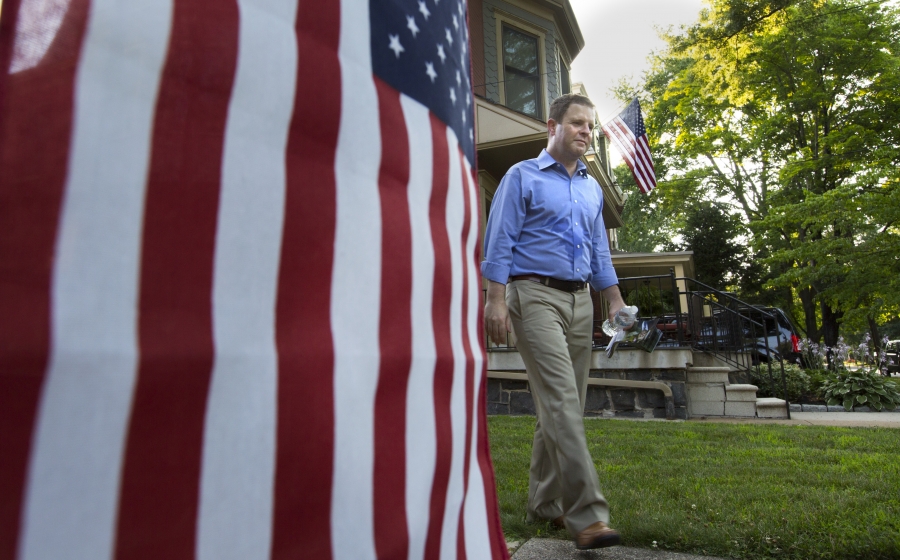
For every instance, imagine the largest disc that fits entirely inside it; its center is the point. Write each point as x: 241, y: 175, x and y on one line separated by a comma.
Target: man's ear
x: 551, y: 127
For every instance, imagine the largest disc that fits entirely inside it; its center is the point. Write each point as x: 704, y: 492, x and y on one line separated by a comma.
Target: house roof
x: 568, y: 24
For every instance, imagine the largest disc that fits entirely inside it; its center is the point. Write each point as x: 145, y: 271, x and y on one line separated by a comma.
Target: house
x: 522, y: 51
x: 521, y: 54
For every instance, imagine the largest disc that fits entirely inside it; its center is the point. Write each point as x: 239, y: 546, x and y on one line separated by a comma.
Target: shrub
x: 863, y: 387
x: 798, y: 383
x: 817, y: 379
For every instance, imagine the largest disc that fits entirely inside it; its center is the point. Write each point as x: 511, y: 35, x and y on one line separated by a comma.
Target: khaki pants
x: 553, y: 330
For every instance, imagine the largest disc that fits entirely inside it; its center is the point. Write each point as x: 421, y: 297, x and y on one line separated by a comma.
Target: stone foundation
x: 513, y: 397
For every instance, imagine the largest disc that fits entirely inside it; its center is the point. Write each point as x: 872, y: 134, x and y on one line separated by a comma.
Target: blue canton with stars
x: 421, y: 48
x: 633, y: 119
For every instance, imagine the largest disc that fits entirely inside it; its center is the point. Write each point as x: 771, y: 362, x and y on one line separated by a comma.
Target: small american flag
x: 628, y: 134
x: 240, y: 292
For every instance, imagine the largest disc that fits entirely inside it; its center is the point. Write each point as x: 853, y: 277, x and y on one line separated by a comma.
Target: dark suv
x: 765, y: 333
x: 771, y: 333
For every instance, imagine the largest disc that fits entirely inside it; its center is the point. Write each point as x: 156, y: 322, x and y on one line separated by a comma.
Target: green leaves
x: 785, y: 113
x: 863, y: 387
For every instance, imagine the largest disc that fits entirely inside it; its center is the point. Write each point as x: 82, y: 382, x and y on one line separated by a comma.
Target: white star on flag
x: 395, y: 45
x: 411, y: 24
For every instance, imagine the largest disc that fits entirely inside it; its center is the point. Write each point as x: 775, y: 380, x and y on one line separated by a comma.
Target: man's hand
x: 614, y: 297
x: 496, y: 316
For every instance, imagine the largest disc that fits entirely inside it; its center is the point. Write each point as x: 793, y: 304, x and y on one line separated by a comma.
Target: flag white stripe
x: 421, y: 447
x: 636, y: 152
x: 455, y: 214
x: 621, y: 141
x: 628, y: 141
x: 355, y: 291
x: 236, y: 481
x: 73, y: 481
x: 643, y: 150
x: 624, y: 140
x: 477, y: 542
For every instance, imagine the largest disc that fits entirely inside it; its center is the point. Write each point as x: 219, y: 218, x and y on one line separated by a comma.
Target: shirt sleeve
x: 503, y: 227
x: 603, y: 275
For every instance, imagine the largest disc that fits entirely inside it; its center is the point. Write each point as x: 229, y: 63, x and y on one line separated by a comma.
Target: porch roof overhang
x: 629, y: 265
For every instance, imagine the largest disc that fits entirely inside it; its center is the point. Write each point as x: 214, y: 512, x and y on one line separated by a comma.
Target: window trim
x: 510, y: 20
x: 564, y: 68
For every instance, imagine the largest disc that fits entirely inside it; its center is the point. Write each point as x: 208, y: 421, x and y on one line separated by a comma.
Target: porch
x: 700, y: 368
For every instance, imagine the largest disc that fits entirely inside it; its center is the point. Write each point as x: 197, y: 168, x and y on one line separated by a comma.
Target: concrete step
x: 740, y: 409
x: 770, y: 407
x: 741, y: 393
x: 705, y: 408
x: 705, y: 391
x: 707, y: 374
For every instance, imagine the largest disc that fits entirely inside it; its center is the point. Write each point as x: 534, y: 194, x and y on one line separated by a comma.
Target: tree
x: 710, y: 232
x: 787, y: 112
x: 646, y: 229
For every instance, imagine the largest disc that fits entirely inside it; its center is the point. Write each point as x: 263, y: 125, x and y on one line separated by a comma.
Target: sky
x: 618, y: 38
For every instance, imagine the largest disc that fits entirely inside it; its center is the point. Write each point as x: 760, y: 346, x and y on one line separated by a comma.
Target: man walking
x: 545, y: 240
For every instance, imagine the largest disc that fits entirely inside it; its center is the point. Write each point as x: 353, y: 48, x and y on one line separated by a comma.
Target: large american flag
x: 628, y: 134
x: 240, y: 299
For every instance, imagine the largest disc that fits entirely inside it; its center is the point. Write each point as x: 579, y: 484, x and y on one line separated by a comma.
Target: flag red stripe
x: 495, y: 529
x: 643, y: 148
x: 499, y: 551
x: 627, y: 146
x: 467, y: 347
x: 629, y: 142
x: 636, y: 153
x: 35, y: 129
x: 440, y: 312
x: 160, y: 480
x: 395, y: 331
x: 642, y: 152
x: 305, y: 438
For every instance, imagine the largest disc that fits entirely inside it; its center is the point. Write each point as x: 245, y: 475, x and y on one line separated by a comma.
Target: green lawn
x: 739, y: 490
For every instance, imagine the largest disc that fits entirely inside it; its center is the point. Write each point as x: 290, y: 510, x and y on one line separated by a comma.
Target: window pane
x: 564, y: 85
x: 521, y: 72
x: 522, y: 94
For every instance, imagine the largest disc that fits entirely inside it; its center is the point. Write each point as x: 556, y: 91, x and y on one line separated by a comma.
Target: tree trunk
x: 809, y: 313
x: 830, y: 328
x: 876, y: 338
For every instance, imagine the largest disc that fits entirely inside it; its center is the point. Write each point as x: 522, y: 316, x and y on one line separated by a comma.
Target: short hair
x: 561, y: 104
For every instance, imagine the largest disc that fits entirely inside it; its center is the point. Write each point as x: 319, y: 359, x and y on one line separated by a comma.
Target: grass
x: 735, y: 490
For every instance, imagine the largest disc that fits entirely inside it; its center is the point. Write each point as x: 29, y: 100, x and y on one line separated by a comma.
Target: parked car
x: 891, y: 363
x: 772, y: 334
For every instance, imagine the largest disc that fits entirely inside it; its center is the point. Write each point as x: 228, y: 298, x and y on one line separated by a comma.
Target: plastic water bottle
x: 623, y: 319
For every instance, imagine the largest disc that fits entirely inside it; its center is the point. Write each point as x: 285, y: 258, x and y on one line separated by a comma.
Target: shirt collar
x: 545, y: 160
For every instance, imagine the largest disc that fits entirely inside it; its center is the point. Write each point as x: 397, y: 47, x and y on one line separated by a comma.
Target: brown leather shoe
x: 597, y: 535
x: 559, y: 522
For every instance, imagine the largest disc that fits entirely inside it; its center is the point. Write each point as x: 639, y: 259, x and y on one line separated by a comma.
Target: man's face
x: 572, y: 136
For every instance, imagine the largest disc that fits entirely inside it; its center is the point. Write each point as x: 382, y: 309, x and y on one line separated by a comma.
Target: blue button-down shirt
x: 544, y: 222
